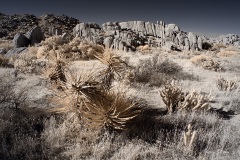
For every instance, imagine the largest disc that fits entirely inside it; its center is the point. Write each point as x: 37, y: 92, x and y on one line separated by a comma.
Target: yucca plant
x: 56, y: 69
x: 82, y: 84
x: 78, y: 89
x: 115, y: 65
x: 112, y: 112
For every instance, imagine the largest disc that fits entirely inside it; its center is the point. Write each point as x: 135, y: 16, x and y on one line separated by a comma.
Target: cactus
x: 194, y: 101
x: 171, y: 96
x: 189, y: 137
x: 226, y: 85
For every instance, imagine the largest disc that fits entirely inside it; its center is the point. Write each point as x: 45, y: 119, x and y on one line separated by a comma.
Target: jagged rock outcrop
x: 131, y: 34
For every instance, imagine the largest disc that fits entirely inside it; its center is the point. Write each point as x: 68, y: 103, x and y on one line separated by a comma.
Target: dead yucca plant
x: 115, y: 65
x: 194, y: 101
x: 226, y: 85
x: 171, y: 95
x: 82, y: 84
x: 115, y: 111
x: 79, y: 89
x: 55, y: 70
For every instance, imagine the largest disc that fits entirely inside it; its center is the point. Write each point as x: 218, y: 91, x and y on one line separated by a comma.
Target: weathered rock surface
x: 35, y: 35
x: 20, y: 40
x: 15, y: 51
x: 2, y: 51
x: 131, y: 34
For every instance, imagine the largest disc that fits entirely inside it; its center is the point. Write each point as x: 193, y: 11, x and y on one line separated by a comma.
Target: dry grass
x: 200, y: 59
x: 6, y: 45
x: 156, y: 71
x: 207, y: 63
x: 3, y: 61
x: 85, y: 120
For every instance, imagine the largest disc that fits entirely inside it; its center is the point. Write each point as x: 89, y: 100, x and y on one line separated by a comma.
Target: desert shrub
x: 156, y: 71
x: 6, y: 45
x: 4, y: 61
x: 229, y: 51
x: 53, y: 42
x: 207, y: 63
x: 89, y: 50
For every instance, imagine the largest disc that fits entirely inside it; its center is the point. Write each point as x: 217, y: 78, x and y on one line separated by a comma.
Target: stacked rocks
x: 131, y: 34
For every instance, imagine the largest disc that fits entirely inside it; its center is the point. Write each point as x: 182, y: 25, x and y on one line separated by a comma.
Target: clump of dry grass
x: 207, y: 63
x: 6, y: 45
x: 144, y: 48
x: 229, y: 51
x: 200, y: 59
x: 156, y: 71
x: 3, y: 61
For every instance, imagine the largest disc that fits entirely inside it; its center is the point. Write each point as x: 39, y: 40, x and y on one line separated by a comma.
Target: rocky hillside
x: 13, y: 24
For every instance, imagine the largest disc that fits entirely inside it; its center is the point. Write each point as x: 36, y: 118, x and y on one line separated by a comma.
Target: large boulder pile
x: 33, y: 36
x: 230, y: 39
x: 131, y: 34
x: 50, y: 24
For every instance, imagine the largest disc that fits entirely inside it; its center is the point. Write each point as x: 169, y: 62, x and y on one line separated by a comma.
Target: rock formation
x: 230, y: 39
x: 131, y: 34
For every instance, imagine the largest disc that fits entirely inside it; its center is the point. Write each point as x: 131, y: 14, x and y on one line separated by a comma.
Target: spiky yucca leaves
x: 114, y: 67
x: 83, y: 84
x: 58, y: 64
x: 112, y: 112
x: 78, y: 89
x: 171, y: 95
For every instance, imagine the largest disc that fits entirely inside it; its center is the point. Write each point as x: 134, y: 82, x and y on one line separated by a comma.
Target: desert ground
x: 77, y: 100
